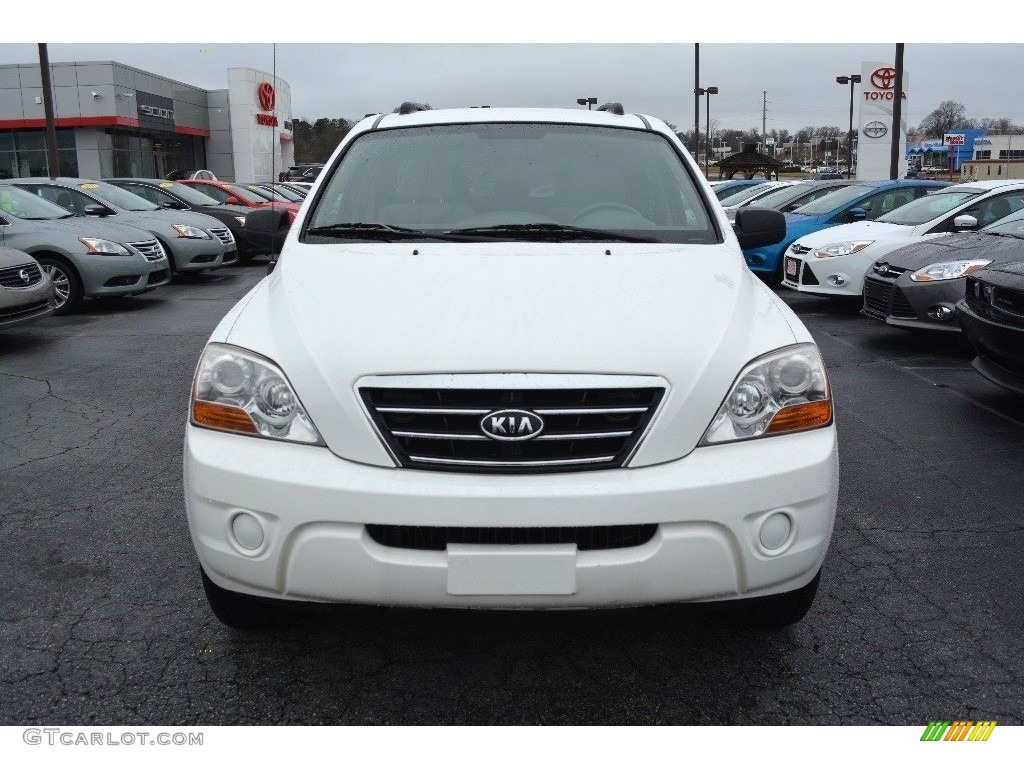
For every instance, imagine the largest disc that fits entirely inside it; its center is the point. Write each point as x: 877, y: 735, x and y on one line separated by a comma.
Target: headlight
x: 783, y: 391
x: 842, y: 249
x: 98, y: 245
x: 239, y: 391
x: 194, y: 233
x: 240, y: 220
x: 949, y: 270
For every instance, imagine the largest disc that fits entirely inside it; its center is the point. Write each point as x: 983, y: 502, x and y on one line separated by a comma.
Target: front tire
x: 67, y: 286
x: 246, y: 612
x: 779, y: 611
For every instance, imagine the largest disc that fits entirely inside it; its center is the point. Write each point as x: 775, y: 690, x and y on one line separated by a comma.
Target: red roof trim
x: 100, y: 120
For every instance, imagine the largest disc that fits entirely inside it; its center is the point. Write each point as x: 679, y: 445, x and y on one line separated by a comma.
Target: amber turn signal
x: 219, y: 416
x: 802, y: 416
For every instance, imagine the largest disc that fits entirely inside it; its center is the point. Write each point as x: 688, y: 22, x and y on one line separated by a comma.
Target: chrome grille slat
x: 151, y: 249
x: 10, y: 277
x: 223, y: 234
x: 434, y: 422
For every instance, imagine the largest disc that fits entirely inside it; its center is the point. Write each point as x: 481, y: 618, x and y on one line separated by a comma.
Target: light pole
x: 588, y: 101
x: 707, y: 92
x: 852, y: 80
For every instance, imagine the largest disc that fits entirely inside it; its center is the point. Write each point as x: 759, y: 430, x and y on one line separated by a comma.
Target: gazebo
x: 749, y: 163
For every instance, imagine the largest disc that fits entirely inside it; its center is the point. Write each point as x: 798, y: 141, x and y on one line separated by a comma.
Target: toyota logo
x: 265, y: 93
x: 876, y: 129
x: 511, y: 425
x: 25, y: 276
x: 884, y: 78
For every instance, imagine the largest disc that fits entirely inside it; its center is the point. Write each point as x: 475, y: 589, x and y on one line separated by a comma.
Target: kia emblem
x: 511, y: 424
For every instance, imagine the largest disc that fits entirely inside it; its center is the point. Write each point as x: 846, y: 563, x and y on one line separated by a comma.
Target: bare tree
x: 941, y: 120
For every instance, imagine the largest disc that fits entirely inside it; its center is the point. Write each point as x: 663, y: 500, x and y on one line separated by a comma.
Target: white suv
x: 511, y: 358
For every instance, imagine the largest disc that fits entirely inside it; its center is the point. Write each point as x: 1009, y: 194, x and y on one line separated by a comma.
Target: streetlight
x: 708, y: 93
x: 843, y: 80
x: 588, y: 101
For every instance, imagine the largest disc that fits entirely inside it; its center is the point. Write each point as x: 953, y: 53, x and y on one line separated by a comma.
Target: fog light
x: 836, y: 280
x: 775, y: 530
x: 940, y: 312
x: 247, y: 531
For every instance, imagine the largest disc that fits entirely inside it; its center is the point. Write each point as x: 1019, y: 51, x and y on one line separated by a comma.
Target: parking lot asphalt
x: 103, y: 620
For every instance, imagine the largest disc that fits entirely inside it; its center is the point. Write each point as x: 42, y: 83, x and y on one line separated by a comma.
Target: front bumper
x: 121, y: 275
x: 903, y: 303
x: 23, y: 305
x: 193, y: 255
x: 1000, y: 348
x: 314, y: 508
x: 819, y: 276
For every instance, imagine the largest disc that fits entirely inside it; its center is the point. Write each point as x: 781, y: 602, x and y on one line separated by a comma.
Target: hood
x: 332, y: 314
x: 1007, y: 274
x: 966, y: 245
x: 859, y: 230
x: 234, y: 210
x: 165, y: 218
x: 93, y: 226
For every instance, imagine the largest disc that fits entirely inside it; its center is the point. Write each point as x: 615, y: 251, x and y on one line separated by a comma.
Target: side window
x: 146, y: 193
x: 871, y: 205
x: 68, y: 199
x: 218, y: 194
x: 993, y: 209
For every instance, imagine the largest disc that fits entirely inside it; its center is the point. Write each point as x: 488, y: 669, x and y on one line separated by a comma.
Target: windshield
x: 244, y: 193
x: 190, y: 195
x: 929, y: 207
x: 263, y: 193
x: 25, y: 205
x: 122, y: 198
x: 286, y: 193
x: 781, y: 197
x: 739, y: 195
x: 833, y: 200
x: 462, y: 177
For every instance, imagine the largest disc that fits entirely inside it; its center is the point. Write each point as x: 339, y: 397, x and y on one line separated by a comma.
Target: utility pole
x: 51, y: 130
x: 897, y: 115
x: 764, y: 120
x: 696, y: 100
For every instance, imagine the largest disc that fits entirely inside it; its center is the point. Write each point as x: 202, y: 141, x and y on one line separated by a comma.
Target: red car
x: 229, y: 193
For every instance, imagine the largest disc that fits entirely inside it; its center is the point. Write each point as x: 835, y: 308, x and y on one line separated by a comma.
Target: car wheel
x: 246, y: 612
x: 778, y: 611
x: 67, y: 287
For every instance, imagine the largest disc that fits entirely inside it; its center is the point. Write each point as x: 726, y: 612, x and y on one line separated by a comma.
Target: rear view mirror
x: 965, y: 222
x: 755, y: 227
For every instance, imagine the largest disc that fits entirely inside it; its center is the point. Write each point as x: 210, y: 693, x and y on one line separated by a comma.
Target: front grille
x: 901, y: 307
x: 150, y: 249
x: 807, y: 277
x: 11, y: 277
x: 223, y: 234
x: 439, y: 428
x: 437, y: 538
x: 799, y: 250
x: 24, y: 310
x: 1008, y: 306
x: 158, y: 276
x: 890, y: 271
x: 877, y: 295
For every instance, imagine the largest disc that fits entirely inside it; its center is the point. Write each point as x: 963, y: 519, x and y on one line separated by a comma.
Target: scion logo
x: 160, y: 112
x: 876, y: 129
x: 884, y: 78
x: 511, y: 425
x: 266, y: 96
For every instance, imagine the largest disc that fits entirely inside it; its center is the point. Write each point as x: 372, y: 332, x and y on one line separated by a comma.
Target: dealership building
x: 115, y: 120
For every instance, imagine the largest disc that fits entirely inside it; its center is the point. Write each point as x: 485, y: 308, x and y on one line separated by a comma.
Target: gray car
x: 82, y: 256
x: 193, y: 241
x: 26, y: 292
x: 918, y: 285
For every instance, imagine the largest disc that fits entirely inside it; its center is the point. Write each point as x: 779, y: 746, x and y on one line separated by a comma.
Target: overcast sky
x: 353, y: 78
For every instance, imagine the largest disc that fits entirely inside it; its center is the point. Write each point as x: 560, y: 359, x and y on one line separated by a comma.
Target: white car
x: 511, y: 358
x: 833, y: 262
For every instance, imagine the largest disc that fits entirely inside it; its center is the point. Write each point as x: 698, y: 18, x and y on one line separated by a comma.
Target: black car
x: 918, y: 285
x: 992, y: 317
x: 170, y: 194
x: 302, y: 172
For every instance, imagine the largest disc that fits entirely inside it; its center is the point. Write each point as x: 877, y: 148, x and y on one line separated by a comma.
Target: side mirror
x: 174, y: 205
x: 965, y: 222
x: 96, y: 210
x: 755, y: 227
x: 271, y: 264
x: 232, y: 201
x: 267, y: 227
x: 856, y: 214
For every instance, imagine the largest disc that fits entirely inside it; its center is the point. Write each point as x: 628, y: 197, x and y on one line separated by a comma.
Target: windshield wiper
x: 381, y: 231
x: 547, y: 228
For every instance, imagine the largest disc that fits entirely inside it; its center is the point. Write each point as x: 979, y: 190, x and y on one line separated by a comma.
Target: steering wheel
x: 609, y: 207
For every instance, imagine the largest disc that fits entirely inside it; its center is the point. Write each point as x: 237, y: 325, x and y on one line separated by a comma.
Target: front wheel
x: 246, y: 612
x: 67, y: 287
x: 778, y: 611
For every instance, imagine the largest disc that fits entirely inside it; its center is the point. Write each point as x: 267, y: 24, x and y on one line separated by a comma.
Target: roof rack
x: 614, y: 107
x: 408, y: 107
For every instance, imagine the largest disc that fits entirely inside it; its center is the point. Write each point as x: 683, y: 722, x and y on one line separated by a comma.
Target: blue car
x: 856, y: 202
